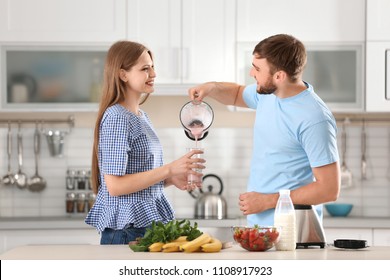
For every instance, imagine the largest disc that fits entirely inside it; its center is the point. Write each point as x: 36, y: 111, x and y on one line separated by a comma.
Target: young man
x: 294, y: 144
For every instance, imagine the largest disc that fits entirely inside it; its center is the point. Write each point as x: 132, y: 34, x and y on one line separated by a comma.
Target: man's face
x: 262, y: 73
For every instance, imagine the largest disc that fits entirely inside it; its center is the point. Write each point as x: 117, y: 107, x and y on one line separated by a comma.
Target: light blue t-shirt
x: 291, y: 136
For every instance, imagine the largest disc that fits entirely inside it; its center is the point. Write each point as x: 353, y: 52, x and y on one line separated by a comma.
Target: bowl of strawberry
x: 256, y: 238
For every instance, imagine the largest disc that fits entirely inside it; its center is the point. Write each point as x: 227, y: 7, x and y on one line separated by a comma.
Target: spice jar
x: 81, y: 179
x: 91, y: 200
x: 70, y: 179
x: 81, y: 202
x: 88, y: 180
x: 70, y: 202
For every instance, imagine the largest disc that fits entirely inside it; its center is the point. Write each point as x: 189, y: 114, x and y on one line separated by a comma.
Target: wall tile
x: 228, y: 155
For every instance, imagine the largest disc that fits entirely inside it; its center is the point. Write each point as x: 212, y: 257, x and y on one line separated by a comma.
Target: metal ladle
x: 20, y: 177
x: 36, y: 183
x: 9, y: 179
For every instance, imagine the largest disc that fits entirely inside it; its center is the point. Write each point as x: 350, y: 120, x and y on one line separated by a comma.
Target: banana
x: 156, y: 247
x: 195, y: 244
x: 215, y: 245
x: 180, y: 238
x: 173, y: 246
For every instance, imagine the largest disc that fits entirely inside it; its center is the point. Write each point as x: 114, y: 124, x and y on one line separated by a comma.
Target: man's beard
x: 268, y: 88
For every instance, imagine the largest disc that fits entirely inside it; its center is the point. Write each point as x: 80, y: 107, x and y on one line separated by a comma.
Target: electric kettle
x: 210, y: 204
x: 196, y: 118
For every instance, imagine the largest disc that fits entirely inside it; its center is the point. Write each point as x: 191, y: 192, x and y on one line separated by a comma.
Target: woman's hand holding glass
x: 187, y: 170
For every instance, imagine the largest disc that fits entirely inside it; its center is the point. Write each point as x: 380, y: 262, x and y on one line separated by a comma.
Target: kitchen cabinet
x: 349, y: 233
x: 378, y: 76
x: 50, y: 78
x: 308, y: 20
x: 62, y: 20
x: 378, y: 20
x: 14, y: 238
x: 381, y: 237
x: 378, y: 56
x: 193, y: 41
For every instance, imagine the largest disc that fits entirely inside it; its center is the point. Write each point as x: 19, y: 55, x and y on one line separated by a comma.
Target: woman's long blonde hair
x: 121, y: 55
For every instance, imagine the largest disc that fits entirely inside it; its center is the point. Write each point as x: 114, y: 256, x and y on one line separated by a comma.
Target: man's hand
x: 254, y: 202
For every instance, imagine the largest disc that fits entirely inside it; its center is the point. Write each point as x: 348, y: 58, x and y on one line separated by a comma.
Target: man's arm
x: 224, y: 92
x: 326, y: 187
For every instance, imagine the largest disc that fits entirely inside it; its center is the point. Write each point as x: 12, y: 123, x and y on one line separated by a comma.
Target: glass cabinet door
x: 336, y: 74
x: 51, y: 78
x: 335, y: 71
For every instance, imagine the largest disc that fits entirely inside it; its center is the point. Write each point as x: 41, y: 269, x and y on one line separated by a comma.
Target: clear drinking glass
x: 193, y: 179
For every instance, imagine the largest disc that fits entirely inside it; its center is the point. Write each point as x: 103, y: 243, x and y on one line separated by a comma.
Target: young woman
x: 128, y: 173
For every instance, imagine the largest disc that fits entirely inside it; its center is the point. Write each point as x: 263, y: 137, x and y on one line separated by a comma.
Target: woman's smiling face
x: 140, y: 78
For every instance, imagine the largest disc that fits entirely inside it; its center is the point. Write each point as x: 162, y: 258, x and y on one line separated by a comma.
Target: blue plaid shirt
x: 128, y: 144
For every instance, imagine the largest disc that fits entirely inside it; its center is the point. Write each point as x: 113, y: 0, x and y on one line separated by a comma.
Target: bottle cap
x: 284, y: 192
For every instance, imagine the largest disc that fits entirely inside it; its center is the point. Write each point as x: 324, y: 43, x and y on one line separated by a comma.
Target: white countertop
x: 78, y: 222
x: 123, y: 252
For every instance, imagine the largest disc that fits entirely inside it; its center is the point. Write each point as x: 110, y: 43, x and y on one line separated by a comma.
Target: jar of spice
x: 81, y: 179
x: 70, y: 202
x: 70, y: 179
x: 80, y: 202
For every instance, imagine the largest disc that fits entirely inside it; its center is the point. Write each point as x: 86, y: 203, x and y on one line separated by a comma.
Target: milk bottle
x: 285, y: 219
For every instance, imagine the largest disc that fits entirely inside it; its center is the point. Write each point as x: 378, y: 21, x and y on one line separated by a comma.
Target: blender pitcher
x: 196, y: 118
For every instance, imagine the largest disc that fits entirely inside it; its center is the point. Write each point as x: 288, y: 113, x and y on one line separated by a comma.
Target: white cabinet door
x: 381, y: 237
x: 377, y: 77
x: 193, y: 41
x: 157, y: 24
x: 378, y: 20
x: 308, y: 20
x: 349, y: 233
x: 62, y: 20
x: 208, y: 40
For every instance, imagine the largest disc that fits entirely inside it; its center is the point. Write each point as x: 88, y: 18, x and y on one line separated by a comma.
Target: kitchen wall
x: 227, y: 151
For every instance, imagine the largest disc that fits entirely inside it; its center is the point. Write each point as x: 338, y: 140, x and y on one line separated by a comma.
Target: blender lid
x: 350, y: 243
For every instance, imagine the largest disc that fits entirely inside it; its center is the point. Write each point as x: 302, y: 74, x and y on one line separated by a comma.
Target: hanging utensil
x: 9, y: 179
x: 20, y: 177
x: 364, y: 161
x: 346, y: 174
x: 36, y: 182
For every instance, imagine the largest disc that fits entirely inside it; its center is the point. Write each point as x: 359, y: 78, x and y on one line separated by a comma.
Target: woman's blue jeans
x: 121, y: 236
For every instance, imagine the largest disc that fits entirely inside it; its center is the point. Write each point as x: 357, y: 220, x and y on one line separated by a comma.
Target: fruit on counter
x: 156, y: 247
x: 165, y: 233
x: 215, y: 245
x: 204, y: 243
x: 195, y: 245
x: 173, y: 246
x: 257, y: 238
x: 181, y: 238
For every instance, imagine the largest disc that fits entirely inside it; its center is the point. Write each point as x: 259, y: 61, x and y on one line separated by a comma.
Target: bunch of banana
x: 204, y: 243
x: 173, y: 246
x: 215, y: 245
x: 195, y: 245
x: 156, y: 247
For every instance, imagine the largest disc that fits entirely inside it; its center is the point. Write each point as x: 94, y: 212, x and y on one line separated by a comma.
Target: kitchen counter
x: 123, y: 252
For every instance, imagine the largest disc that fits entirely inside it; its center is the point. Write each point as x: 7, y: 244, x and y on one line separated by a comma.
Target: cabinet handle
x: 387, y: 75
